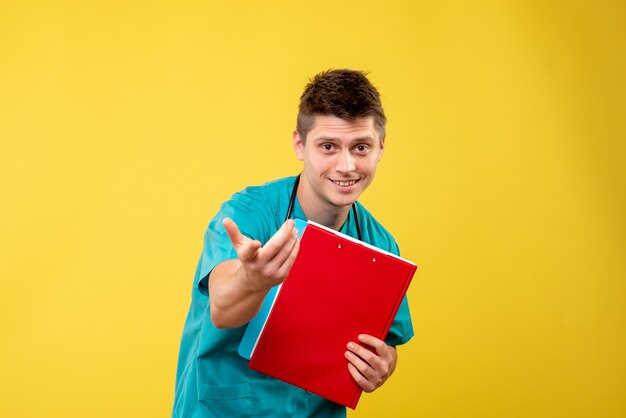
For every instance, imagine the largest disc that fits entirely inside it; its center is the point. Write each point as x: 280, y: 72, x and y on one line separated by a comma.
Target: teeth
x: 344, y: 183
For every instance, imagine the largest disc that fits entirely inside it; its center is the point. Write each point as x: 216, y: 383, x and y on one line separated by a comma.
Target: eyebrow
x: 334, y: 138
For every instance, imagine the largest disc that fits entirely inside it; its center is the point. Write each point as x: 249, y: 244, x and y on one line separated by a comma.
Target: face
x: 340, y: 159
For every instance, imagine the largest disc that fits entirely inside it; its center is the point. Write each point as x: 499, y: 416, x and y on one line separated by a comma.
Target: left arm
x: 370, y: 370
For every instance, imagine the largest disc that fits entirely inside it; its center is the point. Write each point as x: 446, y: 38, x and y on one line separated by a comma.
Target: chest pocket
x: 226, y: 401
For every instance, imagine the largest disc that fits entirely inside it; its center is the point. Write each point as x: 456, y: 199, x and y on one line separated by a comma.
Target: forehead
x: 328, y: 126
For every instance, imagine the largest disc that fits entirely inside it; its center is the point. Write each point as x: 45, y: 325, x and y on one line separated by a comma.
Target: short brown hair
x: 347, y: 94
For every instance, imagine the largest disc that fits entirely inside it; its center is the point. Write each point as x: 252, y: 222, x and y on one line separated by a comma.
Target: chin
x: 346, y: 200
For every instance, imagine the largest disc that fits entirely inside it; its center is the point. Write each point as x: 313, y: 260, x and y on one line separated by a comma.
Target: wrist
x: 249, y: 282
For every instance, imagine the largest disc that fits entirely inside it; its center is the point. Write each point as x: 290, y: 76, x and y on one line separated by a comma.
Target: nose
x: 345, y: 162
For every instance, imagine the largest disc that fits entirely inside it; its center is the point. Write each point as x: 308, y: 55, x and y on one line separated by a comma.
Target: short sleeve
x: 252, y: 218
x: 401, y: 330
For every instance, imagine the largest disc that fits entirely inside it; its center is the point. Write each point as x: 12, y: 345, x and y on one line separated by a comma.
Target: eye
x: 327, y: 147
x: 362, y: 148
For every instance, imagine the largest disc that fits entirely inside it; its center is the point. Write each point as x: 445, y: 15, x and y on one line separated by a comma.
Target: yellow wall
x: 124, y: 125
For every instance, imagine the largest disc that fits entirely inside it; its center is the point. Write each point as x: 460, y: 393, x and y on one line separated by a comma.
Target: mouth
x: 345, y: 183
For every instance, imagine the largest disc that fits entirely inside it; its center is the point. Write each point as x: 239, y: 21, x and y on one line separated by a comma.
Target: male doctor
x: 251, y: 244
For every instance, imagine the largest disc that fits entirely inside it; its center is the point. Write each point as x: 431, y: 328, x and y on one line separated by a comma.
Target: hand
x: 269, y: 265
x: 371, y: 370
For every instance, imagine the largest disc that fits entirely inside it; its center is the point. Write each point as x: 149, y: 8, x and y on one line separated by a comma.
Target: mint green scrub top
x: 212, y: 380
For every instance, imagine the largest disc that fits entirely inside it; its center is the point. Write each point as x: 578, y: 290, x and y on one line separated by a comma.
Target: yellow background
x: 124, y: 125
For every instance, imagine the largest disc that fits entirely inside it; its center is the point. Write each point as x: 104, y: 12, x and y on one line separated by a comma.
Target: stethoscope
x: 292, y: 199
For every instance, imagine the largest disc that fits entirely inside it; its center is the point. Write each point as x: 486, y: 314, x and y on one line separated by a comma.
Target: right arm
x: 237, y: 287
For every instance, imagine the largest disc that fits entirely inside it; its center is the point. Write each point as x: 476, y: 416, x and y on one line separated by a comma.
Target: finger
x: 278, y: 240
x: 365, y: 384
x: 380, y: 346
x: 276, y: 262
x: 284, y: 234
x: 373, y: 342
x: 363, y: 367
x: 275, y: 268
x: 283, y: 271
x: 374, y: 363
x: 248, y: 251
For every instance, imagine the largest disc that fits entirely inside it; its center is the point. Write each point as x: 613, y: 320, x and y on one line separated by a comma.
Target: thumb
x: 236, y: 237
x: 245, y: 247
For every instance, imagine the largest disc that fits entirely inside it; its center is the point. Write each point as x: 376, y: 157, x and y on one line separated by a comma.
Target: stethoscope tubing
x: 292, y: 200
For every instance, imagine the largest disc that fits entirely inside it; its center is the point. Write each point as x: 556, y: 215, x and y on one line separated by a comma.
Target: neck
x: 321, y: 212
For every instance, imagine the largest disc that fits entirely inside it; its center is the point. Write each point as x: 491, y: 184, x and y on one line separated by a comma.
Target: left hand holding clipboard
x: 371, y: 369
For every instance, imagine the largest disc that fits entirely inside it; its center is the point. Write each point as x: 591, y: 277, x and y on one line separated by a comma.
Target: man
x: 251, y: 244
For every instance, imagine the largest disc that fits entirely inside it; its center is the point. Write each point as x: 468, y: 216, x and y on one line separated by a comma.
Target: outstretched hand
x: 267, y: 265
x: 370, y: 370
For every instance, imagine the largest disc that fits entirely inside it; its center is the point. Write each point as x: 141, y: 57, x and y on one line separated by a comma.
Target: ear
x: 382, y: 147
x: 298, y: 145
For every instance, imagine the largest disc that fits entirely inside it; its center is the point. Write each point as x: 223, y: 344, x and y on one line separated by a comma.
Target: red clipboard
x: 338, y: 288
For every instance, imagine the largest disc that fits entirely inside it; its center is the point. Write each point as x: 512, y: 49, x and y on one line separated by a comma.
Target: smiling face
x: 340, y: 158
